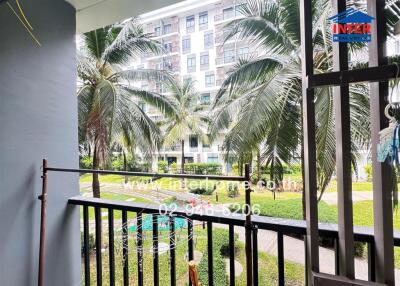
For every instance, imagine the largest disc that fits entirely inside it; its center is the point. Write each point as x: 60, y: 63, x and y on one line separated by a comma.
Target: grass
x: 116, y: 197
x: 294, y: 273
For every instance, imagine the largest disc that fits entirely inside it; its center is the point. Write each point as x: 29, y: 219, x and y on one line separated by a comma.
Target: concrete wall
x: 38, y: 118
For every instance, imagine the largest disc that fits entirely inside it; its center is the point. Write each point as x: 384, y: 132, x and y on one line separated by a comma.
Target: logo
x: 351, y: 26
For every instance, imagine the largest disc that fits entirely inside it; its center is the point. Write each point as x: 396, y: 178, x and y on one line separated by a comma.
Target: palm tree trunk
x: 95, y: 181
x: 125, y: 166
x: 183, y: 157
x: 258, y: 165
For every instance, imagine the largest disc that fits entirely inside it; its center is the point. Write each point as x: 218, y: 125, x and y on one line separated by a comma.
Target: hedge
x: 220, y: 242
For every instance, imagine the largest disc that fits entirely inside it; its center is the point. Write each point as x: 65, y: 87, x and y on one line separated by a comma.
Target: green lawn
x: 116, y: 197
x: 268, y: 274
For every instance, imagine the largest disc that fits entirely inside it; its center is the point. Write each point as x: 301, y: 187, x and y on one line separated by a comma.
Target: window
x: 229, y: 56
x: 186, y: 45
x: 159, y: 87
x: 210, y: 79
x: 190, y: 23
x: 228, y: 13
x: 193, y: 141
x: 212, y: 158
x: 205, y: 99
x: 243, y: 52
x: 208, y: 39
x: 157, y: 31
x: 204, y: 60
x: 168, y: 47
x: 206, y: 142
x: 203, y: 20
x: 167, y: 29
x: 191, y: 63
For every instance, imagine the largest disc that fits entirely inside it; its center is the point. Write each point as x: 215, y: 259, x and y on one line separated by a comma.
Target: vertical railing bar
x: 210, y: 254
x: 111, y: 246
x: 341, y: 101
x: 140, y: 248
x: 231, y: 255
x: 86, y: 244
x: 371, y: 262
x: 125, y: 248
x: 190, y: 244
x: 99, y: 264
x: 248, y: 228
x: 172, y: 245
x: 281, y: 260
x: 156, y: 275
x: 255, y: 256
x: 337, y: 259
x: 309, y: 142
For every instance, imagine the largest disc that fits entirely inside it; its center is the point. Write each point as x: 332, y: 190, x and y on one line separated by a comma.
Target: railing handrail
x: 148, y: 174
x: 285, y: 226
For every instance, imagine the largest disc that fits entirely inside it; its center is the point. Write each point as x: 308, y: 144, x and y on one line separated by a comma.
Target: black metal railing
x: 251, y: 223
x: 282, y: 227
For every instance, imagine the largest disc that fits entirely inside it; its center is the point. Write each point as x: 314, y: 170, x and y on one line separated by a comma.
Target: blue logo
x: 351, y: 26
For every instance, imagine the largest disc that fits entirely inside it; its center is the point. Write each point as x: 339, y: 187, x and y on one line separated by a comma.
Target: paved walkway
x: 294, y: 252
x: 331, y: 197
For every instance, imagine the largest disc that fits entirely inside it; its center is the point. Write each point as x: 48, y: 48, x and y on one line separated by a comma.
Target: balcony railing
x: 252, y: 225
x: 282, y: 227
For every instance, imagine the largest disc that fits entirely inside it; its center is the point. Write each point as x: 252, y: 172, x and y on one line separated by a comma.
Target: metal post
x: 341, y: 100
x: 43, y: 198
x: 381, y: 179
x: 310, y: 166
x: 248, y: 227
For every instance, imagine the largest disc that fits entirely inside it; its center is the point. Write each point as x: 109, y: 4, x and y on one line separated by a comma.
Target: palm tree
x: 260, y: 100
x: 190, y: 116
x: 106, y: 100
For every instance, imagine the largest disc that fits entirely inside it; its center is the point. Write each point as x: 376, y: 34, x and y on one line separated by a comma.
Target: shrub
x: 174, y: 167
x: 359, y: 248
x: 203, y: 189
x: 233, y: 190
x: 117, y: 164
x: 86, y: 162
x: 368, y: 170
x: 162, y: 166
x: 92, y: 243
x: 220, y: 242
x: 203, y: 168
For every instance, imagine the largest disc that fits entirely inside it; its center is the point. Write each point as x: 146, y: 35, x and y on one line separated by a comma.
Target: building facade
x: 193, y: 33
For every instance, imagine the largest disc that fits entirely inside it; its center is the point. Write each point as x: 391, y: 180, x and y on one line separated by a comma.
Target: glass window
x: 157, y: 31
x: 190, y: 22
x: 191, y: 63
x: 167, y: 28
x: 204, y: 59
x: 212, y: 158
x: 168, y: 47
x: 205, y: 99
x: 186, y: 45
x: 229, y: 56
x: 208, y: 39
x: 210, y: 79
x: 228, y: 13
x: 203, y: 18
x: 193, y: 141
x: 243, y: 52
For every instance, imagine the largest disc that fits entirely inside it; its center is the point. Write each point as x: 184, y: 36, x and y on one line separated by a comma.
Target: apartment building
x: 192, y: 33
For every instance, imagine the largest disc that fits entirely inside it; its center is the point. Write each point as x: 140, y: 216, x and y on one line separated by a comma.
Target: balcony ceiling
x: 93, y: 14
